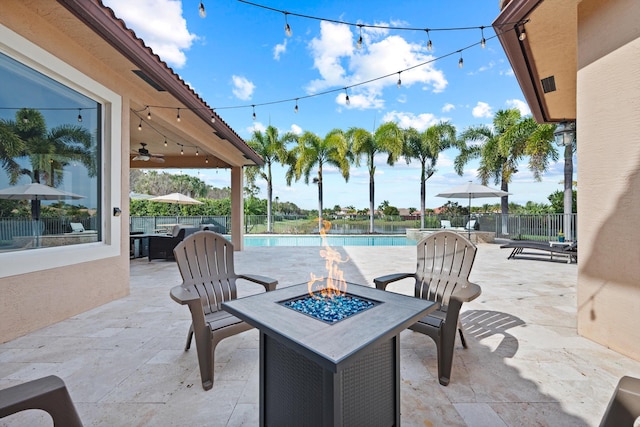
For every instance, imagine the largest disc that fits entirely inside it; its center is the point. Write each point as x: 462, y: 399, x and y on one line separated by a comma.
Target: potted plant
x: 560, y: 236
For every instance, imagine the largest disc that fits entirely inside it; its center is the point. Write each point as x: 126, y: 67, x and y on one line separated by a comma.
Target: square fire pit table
x: 315, y: 373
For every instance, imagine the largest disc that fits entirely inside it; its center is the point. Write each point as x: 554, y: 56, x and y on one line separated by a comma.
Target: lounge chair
x: 519, y: 246
x: 445, y: 223
x: 445, y: 259
x: 48, y: 394
x: 205, y: 260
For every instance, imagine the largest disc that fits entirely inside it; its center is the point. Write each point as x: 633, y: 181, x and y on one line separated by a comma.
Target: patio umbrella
x: 472, y: 191
x: 176, y: 198
x: 36, y: 192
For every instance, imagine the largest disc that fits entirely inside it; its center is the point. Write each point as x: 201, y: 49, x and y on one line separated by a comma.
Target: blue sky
x: 239, y: 55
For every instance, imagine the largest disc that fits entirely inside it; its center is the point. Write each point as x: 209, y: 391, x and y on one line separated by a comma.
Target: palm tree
x: 273, y: 148
x: 426, y: 147
x: 502, y: 147
x: 49, y: 151
x: 387, y: 139
x: 313, y: 151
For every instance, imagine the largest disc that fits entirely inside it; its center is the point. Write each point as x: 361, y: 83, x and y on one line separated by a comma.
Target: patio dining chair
x: 205, y: 260
x: 444, y: 263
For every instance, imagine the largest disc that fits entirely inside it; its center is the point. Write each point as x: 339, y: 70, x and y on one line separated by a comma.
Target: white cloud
x: 482, y: 109
x: 520, y: 105
x: 256, y: 126
x: 448, y: 107
x: 243, y: 88
x: 407, y: 120
x: 160, y: 24
x: 340, y: 64
x: 279, y: 49
x: 296, y: 129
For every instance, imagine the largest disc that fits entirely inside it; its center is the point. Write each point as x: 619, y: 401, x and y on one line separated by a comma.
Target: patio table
x: 315, y: 373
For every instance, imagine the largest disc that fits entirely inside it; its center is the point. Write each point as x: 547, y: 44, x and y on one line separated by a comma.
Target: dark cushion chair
x: 161, y: 246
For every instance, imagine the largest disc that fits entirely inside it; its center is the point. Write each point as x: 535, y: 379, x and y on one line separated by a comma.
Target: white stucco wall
x: 608, y: 133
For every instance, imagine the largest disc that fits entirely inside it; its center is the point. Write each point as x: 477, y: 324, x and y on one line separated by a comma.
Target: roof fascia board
x: 97, y: 17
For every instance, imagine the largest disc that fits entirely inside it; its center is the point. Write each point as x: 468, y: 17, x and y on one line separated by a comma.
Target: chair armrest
x: 383, y: 281
x: 466, y: 291
x: 183, y: 296
x: 268, y: 283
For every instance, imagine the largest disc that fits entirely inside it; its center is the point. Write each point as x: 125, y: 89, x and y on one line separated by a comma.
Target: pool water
x: 332, y: 240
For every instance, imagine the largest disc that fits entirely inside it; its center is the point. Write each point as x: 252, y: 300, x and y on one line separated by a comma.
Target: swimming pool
x: 332, y: 240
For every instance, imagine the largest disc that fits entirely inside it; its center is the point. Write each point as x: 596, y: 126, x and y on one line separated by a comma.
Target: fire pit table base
x: 296, y: 391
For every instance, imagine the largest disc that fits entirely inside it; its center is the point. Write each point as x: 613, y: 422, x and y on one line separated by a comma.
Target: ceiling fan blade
x: 141, y: 157
x: 157, y: 159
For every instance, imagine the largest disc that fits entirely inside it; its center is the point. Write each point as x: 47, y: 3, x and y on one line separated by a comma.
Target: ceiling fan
x: 143, y: 154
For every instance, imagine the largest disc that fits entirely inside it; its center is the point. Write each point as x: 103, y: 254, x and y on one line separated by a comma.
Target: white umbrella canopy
x: 36, y: 192
x: 176, y: 198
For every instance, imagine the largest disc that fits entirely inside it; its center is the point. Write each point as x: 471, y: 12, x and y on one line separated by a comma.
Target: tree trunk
x: 269, y: 196
x: 319, y: 200
x: 423, y: 195
x: 568, y: 192
x: 371, y: 202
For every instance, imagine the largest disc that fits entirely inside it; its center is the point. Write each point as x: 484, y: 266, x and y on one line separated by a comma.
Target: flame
x: 333, y: 284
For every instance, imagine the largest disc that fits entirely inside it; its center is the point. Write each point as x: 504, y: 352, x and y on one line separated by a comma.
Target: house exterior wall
x: 34, y: 299
x: 608, y: 138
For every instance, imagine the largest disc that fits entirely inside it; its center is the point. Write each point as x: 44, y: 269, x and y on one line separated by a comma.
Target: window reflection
x: 49, y: 161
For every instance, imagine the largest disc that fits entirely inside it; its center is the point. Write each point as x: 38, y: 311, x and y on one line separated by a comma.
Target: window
x: 57, y: 188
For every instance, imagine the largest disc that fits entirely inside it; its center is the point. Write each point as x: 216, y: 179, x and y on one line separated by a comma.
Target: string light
x: 359, y: 44
x: 181, y: 149
x: 429, y: 43
x: 346, y: 99
x: 206, y: 160
x: 165, y: 142
x: 523, y: 34
x: 254, y: 112
x: 201, y: 11
x: 295, y: 110
x: 149, y: 113
x: 399, y: 81
x: 197, y: 152
x: 461, y: 61
x: 213, y: 117
x: 140, y: 125
x: 287, y: 28
x: 178, y: 116
x: 80, y: 114
x: 483, y: 42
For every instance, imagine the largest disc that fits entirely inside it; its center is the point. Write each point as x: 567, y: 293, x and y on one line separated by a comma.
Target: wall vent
x: 548, y: 84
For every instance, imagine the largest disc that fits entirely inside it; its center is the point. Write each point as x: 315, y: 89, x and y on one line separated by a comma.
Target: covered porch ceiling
x: 545, y: 60
x: 200, y: 139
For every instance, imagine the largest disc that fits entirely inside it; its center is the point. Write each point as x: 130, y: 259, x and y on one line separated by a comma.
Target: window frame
x: 23, y: 262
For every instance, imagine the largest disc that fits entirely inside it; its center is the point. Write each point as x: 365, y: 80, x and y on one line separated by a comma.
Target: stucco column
x: 237, y: 208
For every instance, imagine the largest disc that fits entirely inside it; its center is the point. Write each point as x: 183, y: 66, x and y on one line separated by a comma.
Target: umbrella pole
x: 469, y: 220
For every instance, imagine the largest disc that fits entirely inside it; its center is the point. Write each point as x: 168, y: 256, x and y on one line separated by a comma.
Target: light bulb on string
x: 346, y: 99
x: 140, y: 125
x: 287, y: 28
x: 213, y: 117
x: 359, y: 44
x: 149, y: 114
x: 182, y: 150
x: 80, y: 114
x: 429, y: 44
x: 201, y: 11
x: 523, y: 35
x: 399, y: 81
x: 165, y: 142
x: 178, y: 116
x: 483, y: 42
x: 254, y: 111
x: 206, y: 160
x: 197, y: 152
x: 461, y: 61
x: 295, y: 110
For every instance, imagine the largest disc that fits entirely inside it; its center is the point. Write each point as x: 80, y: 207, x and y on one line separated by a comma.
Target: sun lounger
x: 543, y: 248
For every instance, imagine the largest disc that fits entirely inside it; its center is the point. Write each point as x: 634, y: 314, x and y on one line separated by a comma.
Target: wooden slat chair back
x: 205, y: 261
x: 444, y: 262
